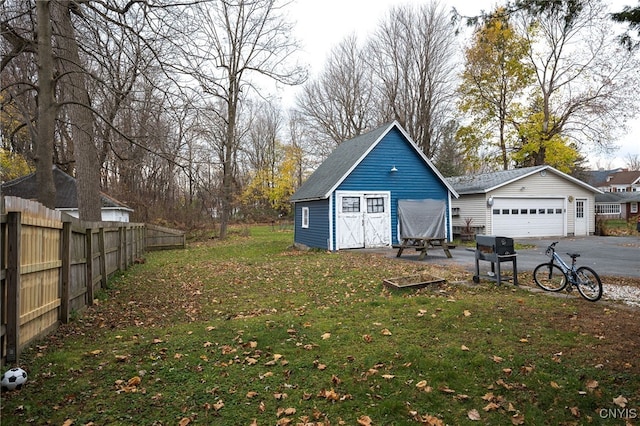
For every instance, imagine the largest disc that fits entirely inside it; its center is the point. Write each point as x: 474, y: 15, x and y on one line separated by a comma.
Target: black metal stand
x: 496, y: 260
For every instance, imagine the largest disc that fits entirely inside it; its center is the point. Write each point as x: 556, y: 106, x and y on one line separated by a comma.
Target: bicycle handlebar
x: 551, y: 248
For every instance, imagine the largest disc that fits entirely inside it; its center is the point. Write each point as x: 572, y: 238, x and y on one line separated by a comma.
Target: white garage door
x: 528, y: 217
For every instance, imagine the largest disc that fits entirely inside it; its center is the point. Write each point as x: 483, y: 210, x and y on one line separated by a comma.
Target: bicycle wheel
x: 588, y: 283
x: 549, y: 277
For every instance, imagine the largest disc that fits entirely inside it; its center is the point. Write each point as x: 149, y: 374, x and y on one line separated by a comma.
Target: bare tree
x: 412, y: 56
x: 585, y: 80
x: 632, y: 161
x: 238, y: 38
x: 339, y: 103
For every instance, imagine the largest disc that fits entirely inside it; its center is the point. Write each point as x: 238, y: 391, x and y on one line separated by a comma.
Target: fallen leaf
x: 473, y: 414
x: 497, y: 358
x: 446, y: 389
x: 575, y: 411
x: 386, y: 332
x: 96, y: 352
x: 467, y: 313
x: 67, y: 422
x: 134, y: 381
x: 525, y: 369
x: 367, y: 338
x: 388, y: 376
x: 555, y: 385
x: 523, y: 341
x: 491, y: 407
x: 326, y: 336
x: 592, y: 384
x: 218, y: 405
x: 488, y: 396
x: 507, y: 371
x: 184, y: 421
x: 517, y: 419
x: 464, y: 348
x: 620, y: 401
x: 364, y: 421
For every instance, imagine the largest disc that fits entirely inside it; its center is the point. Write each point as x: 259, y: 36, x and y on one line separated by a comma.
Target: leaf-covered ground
x: 248, y: 331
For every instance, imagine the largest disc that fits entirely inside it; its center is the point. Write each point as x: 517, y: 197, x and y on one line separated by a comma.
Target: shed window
x: 634, y: 207
x: 375, y: 205
x: 351, y: 204
x: 305, y: 217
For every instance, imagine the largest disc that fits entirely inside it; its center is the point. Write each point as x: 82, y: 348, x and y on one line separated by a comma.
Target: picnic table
x: 422, y: 244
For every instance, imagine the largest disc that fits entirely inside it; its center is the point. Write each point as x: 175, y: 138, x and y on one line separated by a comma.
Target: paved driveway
x: 606, y: 255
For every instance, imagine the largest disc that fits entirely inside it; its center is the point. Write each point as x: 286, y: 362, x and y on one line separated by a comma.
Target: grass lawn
x: 247, y: 331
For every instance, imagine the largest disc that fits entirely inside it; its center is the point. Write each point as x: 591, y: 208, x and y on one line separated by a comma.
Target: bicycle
x: 554, y: 276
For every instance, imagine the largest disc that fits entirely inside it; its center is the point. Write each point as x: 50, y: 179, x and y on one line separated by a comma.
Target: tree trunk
x: 74, y: 87
x: 46, y: 108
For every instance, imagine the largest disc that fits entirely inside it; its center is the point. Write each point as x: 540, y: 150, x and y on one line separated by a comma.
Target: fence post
x: 14, y: 230
x: 103, y: 258
x: 89, y: 248
x: 65, y: 272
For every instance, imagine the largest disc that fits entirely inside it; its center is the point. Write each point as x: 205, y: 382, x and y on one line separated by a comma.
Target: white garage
x: 528, y: 217
x: 538, y: 201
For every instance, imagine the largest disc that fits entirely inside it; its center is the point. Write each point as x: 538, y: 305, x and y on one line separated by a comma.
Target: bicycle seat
x: 573, y: 255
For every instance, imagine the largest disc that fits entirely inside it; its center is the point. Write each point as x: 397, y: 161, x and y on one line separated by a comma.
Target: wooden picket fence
x: 52, y: 264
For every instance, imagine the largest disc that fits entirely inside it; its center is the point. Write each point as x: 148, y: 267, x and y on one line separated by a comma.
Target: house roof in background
x: 66, y: 191
x: 618, y: 197
x: 624, y: 178
x: 337, y: 166
x: 487, y: 182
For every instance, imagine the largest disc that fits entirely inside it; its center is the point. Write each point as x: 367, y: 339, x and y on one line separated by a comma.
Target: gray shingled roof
x: 338, y: 164
x: 66, y: 190
x: 486, y: 182
x: 618, y: 197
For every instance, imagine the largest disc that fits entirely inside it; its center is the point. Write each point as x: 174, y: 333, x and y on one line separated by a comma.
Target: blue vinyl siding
x: 317, y: 234
x: 413, y: 179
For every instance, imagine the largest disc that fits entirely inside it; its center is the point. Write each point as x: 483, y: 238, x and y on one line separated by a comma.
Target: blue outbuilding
x: 351, y: 200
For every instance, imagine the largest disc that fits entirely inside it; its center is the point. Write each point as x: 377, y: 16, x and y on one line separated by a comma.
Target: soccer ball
x: 14, y: 379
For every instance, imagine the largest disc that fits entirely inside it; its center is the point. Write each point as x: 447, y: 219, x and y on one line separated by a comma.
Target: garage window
x: 305, y: 217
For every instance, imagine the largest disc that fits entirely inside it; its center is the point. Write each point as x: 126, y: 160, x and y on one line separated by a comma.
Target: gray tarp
x: 422, y: 218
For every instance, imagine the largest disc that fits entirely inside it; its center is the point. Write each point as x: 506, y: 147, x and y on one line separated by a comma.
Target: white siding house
x: 535, y: 201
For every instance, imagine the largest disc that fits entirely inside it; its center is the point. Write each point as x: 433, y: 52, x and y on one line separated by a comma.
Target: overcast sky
x: 320, y: 25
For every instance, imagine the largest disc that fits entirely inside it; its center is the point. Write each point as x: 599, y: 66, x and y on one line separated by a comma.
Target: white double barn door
x: 363, y: 219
